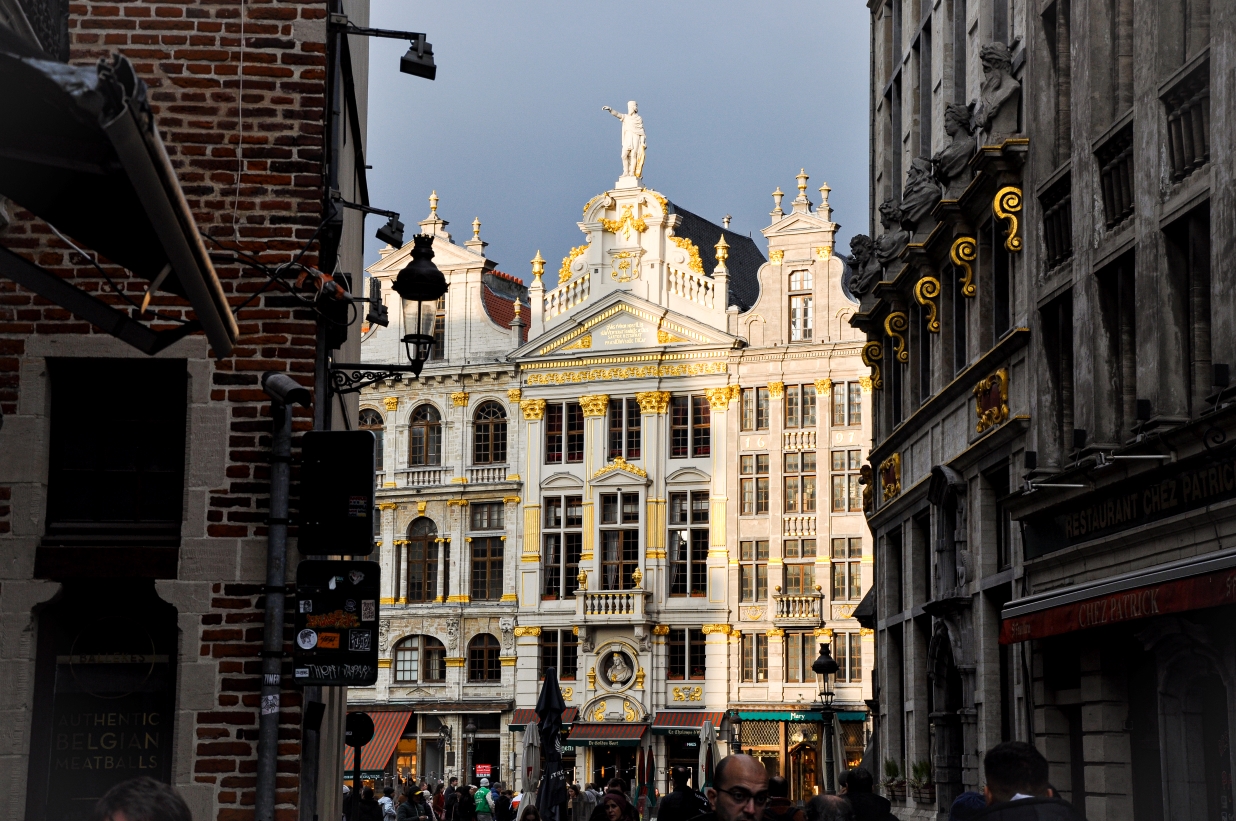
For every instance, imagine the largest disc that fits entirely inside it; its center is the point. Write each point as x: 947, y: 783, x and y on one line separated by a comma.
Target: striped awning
x: 684, y: 722
x: 523, y: 716
x: 606, y: 735
x: 387, y: 729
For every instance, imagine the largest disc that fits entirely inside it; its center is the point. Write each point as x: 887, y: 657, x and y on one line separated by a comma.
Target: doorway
x: 944, y: 706
x: 613, y: 762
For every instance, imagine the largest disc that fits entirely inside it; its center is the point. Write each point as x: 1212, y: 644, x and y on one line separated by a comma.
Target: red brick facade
x: 190, y: 54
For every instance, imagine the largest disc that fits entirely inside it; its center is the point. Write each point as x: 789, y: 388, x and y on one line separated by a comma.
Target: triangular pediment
x: 798, y: 224
x: 624, y: 322
x: 446, y: 256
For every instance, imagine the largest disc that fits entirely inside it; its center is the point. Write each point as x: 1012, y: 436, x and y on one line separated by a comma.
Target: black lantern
x: 825, y: 667
x: 735, y: 732
x: 420, y: 282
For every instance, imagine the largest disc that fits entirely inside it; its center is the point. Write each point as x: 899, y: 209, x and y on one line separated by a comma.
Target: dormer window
x: 800, y: 306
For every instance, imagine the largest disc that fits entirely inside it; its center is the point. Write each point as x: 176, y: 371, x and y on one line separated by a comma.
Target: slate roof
x: 744, y: 261
x: 502, y: 310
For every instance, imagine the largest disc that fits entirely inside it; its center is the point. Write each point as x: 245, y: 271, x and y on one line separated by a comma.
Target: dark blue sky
x: 735, y: 96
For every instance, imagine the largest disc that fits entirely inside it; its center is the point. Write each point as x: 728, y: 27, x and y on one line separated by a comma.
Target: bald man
x: 739, y: 790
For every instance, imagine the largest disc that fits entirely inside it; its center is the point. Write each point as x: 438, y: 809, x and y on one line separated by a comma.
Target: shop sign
x: 780, y: 716
x: 335, y: 642
x: 1178, y: 596
x: 1130, y: 503
x: 485, y: 770
x: 608, y: 742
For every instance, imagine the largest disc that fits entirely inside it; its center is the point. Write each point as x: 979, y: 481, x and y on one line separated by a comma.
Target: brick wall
x: 226, y: 746
x: 209, y: 105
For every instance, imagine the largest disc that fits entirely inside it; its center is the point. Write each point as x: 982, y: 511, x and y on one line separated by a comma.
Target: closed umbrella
x: 706, y: 762
x: 638, y: 786
x: 552, y: 795
x: 531, y: 769
x: 650, y: 780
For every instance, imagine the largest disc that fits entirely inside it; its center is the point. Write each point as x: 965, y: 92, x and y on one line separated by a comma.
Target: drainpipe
x: 282, y: 390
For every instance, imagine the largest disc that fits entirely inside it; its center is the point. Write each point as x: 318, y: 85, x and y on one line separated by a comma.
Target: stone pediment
x: 795, y: 223
x: 446, y: 255
x: 565, y: 481
x: 621, y: 323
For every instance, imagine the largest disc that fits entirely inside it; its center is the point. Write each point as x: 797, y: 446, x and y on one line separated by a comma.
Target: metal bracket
x: 350, y: 377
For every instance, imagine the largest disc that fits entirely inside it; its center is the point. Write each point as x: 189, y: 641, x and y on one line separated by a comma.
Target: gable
x: 626, y: 324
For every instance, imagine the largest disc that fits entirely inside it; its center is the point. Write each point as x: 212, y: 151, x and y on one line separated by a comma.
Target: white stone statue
x: 633, y: 140
x: 619, y: 670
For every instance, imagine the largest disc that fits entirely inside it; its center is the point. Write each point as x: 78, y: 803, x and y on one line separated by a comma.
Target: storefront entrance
x: 613, y: 762
x: 683, y: 751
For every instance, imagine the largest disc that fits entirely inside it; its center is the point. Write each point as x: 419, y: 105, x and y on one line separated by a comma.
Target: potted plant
x: 894, y: 784
x: 921, y: 787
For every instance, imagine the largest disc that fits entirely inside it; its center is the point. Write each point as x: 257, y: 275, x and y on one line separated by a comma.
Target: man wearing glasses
x: 739, y: 791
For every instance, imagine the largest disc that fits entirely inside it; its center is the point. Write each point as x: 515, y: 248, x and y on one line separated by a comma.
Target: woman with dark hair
x: 531, y: 814
x: 618, y: 808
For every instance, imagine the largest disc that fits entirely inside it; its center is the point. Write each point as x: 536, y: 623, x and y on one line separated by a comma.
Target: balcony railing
x: 488, y: 475
x: 799, y: 439
x: 798, y: 525
x: 1115, y: 158
x: 1186, y: 99
x: 799, y: 608
x: 691, y: 286
x: 568, y: 295
x: 610, y: 603
x: 423, y: 476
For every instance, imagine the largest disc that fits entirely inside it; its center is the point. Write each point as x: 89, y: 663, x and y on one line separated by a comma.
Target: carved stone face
x: 956, y: 119
x: 890, y: 213
x: 995, y: 57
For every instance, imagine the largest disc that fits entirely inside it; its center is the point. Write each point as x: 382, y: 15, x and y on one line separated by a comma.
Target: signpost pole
x: 357, y: 732
x: 356, y: 783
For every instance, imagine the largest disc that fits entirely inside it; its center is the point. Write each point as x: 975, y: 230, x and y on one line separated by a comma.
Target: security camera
x: 286, y: 390
x: 378, y: 314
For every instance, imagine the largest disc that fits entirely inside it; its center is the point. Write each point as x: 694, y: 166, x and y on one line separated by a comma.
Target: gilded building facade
x: 677, y: 515
x: 1048, y: 323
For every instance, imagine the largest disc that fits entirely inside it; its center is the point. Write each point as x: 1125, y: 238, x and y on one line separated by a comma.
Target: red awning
x: 524, y: 716
x: 684, y: 722
x: 1126, y: 598
x: 606, y: 735
x: 387, y: 729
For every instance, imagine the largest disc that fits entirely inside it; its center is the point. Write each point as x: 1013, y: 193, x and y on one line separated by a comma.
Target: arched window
x: 420, y: 558
x: 370, y: 419
x: 484, y: 659
x: 420, y: 659
x: 425, y: 436
x: 489, y: 435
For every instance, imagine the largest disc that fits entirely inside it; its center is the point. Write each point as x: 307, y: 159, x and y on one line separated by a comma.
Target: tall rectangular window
x: 847, y: 568
x: 701, y: 426
x: 624, y: 428
x: 847, y: 493
x: 690, y: 426
x: 619, y: 543
x: 1188, y: 264
x: 688, y: 543
x: 438, y: 351
x: 487, y: 515
x: 753, y: 571
x: 855, y: 402
x: 1117, y: 300
x: 486, y: 568
x: 799, y: 567
x: 754, y: 657
x: 799, y: 406
x: 753, y: 483
x: 800, y: 318
x: 958, y: 325
x: 847, y: 650
x: 755, y: 409
x: 847, y: 404
x: 1001, y: 283
x: 117, y: 472
x: 799, y: 655
x: 687, y: 654
x: 839, y: 405
x: 562, y: 541
x: 761, y: 408
x: 748, y: 409
x: 564, y: 432
x: 799, y: 480
x: 559, y: 649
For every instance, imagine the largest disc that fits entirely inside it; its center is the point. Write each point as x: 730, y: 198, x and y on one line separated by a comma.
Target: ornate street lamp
x: 420, y: 285
x: 825, y: 667
x: 444, y: 745
x: 469, y: 736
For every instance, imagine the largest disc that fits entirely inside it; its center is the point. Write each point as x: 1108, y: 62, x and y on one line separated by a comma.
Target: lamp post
x: 735, y: 732
x: 825, y: 667
x: 469, y: 736
x: 444, y: 744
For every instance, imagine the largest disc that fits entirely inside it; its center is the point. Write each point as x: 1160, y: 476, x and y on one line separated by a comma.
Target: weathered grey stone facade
x: 1053, y: 458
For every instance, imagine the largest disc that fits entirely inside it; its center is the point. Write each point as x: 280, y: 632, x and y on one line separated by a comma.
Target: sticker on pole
x: 336, y: 631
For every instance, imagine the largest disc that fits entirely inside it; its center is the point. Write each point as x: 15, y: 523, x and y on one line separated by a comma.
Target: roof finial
x: 802, y: 181
x: 538, y: 267
x: 517, y: 307
x: 825, y: 210
x: 723, y: 250
x: 777, y: 195
x: 433, y: 204
x: 476, y: 227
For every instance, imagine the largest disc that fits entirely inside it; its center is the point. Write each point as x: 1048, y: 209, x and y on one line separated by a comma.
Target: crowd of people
x: 1017, y: 789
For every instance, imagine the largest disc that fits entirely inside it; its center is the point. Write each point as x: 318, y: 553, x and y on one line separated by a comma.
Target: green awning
x: 780, y: 716
x: 854, y: 716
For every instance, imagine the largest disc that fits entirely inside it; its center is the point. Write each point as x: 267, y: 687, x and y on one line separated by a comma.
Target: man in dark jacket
x: 1017, y: 788
x: 780, y: 807
x: 867, y: 805
x: 683, y: 803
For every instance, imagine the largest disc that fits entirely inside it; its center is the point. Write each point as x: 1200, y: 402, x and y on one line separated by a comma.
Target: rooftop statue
x: 633, y: 140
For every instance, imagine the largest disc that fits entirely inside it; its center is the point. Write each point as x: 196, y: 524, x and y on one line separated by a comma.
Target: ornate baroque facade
x: 673, y: 516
